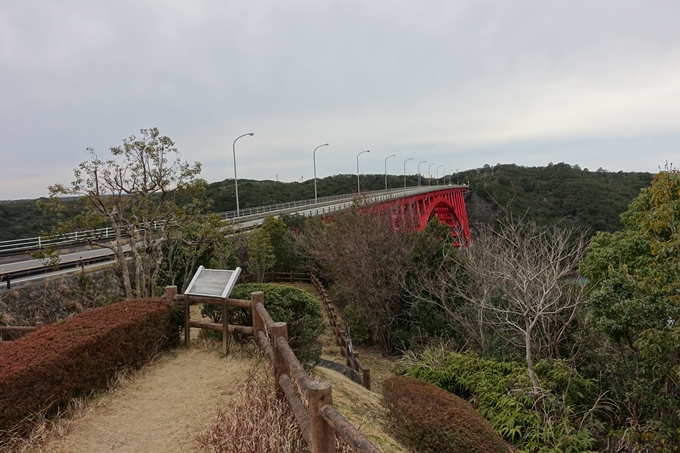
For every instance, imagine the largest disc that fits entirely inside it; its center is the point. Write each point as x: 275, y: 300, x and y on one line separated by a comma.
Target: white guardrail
x: 322, y: 206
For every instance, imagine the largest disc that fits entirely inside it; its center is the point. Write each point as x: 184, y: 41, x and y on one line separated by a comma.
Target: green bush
x: 430, y: 419
x: 503, y: 395
x: 58, y: 362
x: 286, y: 304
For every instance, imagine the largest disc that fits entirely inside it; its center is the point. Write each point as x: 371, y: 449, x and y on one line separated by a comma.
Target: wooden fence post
x: 320, y: 394
x: 367, y: 378
x: 279, y: 330
x: 226, y: 336
x: 258, y: 323
x: 187, y: 321
x: 170, y: 293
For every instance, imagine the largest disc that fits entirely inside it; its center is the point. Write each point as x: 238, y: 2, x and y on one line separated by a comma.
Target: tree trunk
x: 122, y: 262
x: 530, y: 360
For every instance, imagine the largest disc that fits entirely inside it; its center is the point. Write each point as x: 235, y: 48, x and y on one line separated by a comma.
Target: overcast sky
x: 458, y: 83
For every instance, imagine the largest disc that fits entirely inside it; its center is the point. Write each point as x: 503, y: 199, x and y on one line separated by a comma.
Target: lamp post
x: 429, y: 172
x: 358, y: 180
x: 410, y: 158
x: 314, y: 156
x: 421, y: 162
x: 391, y: 155
x: 438, y: 173
x: 233, y: 147
x: 445, y: 168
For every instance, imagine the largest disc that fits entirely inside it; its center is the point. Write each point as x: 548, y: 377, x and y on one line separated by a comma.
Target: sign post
x: 216, y: 283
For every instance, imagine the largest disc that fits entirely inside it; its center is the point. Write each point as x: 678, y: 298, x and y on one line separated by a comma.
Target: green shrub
x: 430, y: 419
x: 503, y: 395
x: 58, y: 362
x: 286, y: 304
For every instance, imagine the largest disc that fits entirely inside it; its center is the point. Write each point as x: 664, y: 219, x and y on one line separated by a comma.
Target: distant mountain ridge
x: 549, y: 194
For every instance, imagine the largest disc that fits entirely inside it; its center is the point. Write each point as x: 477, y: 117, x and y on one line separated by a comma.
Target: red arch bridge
x: 414, y: 211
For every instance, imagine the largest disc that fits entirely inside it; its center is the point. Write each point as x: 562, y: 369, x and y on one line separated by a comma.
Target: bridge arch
x: 446, y: 204
x: 450, y: 211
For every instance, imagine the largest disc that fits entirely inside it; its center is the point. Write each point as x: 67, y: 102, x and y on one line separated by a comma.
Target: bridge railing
x: 376, y: 195
x: 62, y: 240
x: 332, y: 204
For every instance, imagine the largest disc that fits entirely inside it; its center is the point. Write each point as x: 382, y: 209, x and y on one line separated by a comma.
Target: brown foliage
x: 58, y: 362
x: 258, y: 422
x: 366, y: 258
x: 430, y: 419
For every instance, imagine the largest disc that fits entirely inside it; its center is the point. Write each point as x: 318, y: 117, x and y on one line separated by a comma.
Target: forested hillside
x: 560, y: 192
x: 24, y: 218
x: 592, y: 200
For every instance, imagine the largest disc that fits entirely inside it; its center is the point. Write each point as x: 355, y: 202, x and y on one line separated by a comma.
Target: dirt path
x: 162, y: 408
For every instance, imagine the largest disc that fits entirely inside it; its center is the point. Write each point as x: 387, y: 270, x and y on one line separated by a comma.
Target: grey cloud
x: 471, y: 81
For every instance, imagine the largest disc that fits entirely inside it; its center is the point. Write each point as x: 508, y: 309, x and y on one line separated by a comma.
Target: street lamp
x: 358, y: 183
x: 238, y: 210
x: 421, y: 162
x: 410, y: 158
x: 438, y: 173
x: 314, y: 156
x: 446, y: 168
x: 391, y: 155
x: 429, y: 172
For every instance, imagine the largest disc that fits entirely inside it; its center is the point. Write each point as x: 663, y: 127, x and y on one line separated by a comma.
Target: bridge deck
x: 248, y: 219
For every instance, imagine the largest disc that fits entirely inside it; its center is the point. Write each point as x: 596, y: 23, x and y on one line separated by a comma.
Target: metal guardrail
x: 326, y: 205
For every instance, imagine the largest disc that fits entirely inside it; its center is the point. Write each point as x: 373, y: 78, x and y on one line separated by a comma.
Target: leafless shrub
x: 258, y: 422
x: 366, y: 255
x: 518, y: 282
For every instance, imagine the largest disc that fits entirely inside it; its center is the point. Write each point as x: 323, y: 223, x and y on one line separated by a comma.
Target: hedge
x: 429, y: 419
x: 58, y: 362
x: 297, y: 308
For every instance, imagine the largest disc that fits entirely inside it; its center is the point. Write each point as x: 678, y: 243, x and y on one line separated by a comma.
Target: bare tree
x: 518, y: 278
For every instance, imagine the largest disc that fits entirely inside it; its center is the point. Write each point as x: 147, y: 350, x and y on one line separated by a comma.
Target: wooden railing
x: 310, y: 401
x: 38, y: 325
x: 272, y: 276
x: 351, y: 357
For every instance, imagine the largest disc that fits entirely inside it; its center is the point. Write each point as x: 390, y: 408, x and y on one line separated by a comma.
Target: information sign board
x: 213, y: 282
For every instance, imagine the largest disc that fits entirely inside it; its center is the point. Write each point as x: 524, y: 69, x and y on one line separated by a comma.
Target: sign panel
x: 213, y: 282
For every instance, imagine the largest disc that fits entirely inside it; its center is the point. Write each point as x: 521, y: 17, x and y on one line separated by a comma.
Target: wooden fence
x: 310, y: 401
x: 38, y: 325
x: 351, y: 357
x: 272, y: 276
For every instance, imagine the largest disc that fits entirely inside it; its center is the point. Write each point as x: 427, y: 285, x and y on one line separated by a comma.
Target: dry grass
x: 258, y: 422
x: 107, y: 420
x: 43, y: 428
x: 363, y: 408
x: 60, y: 423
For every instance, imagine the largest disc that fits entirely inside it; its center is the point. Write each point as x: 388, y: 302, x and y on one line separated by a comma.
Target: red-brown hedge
x: 430, y: 419
x: 58, y: 362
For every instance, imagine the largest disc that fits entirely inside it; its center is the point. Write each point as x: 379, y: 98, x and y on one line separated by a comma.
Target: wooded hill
x: 592, y: 200
x: 559, y: 193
